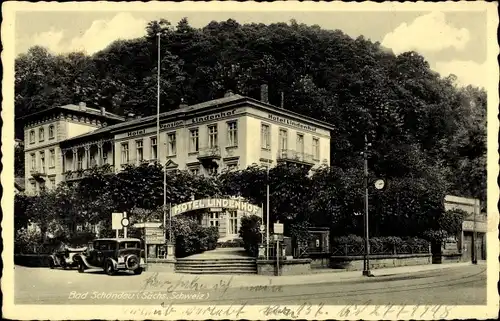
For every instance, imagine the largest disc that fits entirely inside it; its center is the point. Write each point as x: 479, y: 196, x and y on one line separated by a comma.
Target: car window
x: 129, y: 245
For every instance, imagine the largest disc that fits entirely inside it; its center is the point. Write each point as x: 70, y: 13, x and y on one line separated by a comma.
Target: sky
x: 451, y: 41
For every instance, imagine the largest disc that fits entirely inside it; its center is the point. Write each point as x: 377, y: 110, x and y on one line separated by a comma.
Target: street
x: 464, y: 285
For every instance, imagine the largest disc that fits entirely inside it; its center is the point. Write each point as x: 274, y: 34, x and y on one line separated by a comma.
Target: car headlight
x: 121, y: 259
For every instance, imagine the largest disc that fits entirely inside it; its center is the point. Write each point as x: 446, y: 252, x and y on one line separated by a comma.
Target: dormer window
x: 32, y: 137
x: 51, y: 132
x: 41, y: 134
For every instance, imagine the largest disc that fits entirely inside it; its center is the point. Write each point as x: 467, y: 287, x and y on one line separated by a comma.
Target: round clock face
x: 379, y: 184
x: 125, y: 222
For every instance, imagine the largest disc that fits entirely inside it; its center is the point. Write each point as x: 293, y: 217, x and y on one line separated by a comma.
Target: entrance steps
x: 216, y: 266
x: 218, y: 261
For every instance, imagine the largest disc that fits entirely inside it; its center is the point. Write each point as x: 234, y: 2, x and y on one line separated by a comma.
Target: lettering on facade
x: 213, y: 116
x: 291, y: 123
x: 215, y: 203
x: 136, y: 132
x: 171, y: 125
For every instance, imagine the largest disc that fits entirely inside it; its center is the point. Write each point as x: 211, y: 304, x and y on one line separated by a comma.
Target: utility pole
x: 267, y: 213
x: 366, y: 261
x: 473, y: 247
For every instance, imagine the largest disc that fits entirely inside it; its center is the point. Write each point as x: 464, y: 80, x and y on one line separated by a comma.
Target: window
x: 42, y: 186
x: 104, y: 157
x: 125, y: 155
x: 32, y: 137
x: 42, y: 162
x: 41, y: 134
x: 265, y: 136
x: 233, y: 222
x: 232, y: 134
x: 79, y: 163
x: 92, y: 160
x: 193, y: 140
x: 52, y: 181
x: 33, y: 186
x: 212, y: 136
x: 51, y: 132
x: 316, y: 148
x: 172, y: 145
x: 232, y: 167
x: 194, y: 170
x: 154, y: 150
x: 139, y: 150
x: 300, y: 143
x: 212, y: 171
x: 283, y: 139
x: 33, y: 162
x: 214, y: 219
x: 52, y: 158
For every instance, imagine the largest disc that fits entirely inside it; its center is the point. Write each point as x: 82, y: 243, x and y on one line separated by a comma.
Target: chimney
x: 103, y: 111
x: 81, y: 105
x: 282, y: 99
x: 264, y: 95
x: 229, y: 93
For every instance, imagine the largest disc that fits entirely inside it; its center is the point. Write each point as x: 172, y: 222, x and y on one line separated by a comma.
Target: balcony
x: 209, y: 153
x: 73, y: 175
x: 38, y: 174
x: 291, y: 156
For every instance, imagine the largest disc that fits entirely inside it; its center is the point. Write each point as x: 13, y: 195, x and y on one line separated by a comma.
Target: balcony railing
x: 38, y: 172
x: 73, y: 175
x: 295, y: 156
x: 209, y: 153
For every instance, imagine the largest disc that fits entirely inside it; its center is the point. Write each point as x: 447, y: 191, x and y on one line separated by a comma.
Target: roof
x: 76, y: 108
x: 188, y: 109
x: 179, y: 111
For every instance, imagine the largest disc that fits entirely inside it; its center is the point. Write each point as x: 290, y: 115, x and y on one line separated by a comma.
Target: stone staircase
x: 218, y: 261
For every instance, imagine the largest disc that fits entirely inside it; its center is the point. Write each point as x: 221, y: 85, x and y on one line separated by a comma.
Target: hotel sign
x: 215, y: 203
x: 291, y: 123
x: 171, y: 125
x: 213, y: 116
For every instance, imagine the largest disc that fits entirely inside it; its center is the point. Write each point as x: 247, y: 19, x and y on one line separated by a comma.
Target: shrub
x: 81, y: 238
x: 250, y: 233
x: 26, y: 240
x: 191, y: 238
x: 353, y: 244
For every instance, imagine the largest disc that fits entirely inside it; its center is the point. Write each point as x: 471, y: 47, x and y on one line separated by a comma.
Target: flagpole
x: 267, y: 214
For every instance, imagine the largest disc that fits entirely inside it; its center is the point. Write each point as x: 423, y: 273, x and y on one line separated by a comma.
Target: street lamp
x: 366, y: 261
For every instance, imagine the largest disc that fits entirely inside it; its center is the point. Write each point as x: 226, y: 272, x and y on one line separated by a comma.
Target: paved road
x: 464, y: 285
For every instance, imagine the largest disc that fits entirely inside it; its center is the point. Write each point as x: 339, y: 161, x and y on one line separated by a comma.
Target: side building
x: 232, y: 132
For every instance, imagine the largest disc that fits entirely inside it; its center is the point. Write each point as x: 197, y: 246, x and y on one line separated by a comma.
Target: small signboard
x: 278, y: 228
x: 215, y: 209
x: 116, y: 221
x: 154, y: 235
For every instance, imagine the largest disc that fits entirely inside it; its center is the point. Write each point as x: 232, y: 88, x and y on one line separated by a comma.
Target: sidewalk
x: 252, y: 280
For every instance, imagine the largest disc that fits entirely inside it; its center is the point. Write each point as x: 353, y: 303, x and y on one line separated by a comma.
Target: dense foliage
x: 250, y: 233
x: 420, y: 125
x: 354, y: 245
x: 428, y: 135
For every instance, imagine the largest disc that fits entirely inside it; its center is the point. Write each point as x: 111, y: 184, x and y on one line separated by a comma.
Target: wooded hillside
x: 421, y: 125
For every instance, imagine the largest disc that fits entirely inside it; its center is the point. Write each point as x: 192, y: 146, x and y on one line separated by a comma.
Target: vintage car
x: 65, y: 258
x: 113, y: 255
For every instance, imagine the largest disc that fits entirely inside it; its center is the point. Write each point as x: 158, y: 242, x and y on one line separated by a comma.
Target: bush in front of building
x: 250, y: 233
x: 354, y: 245
x: 192, y: 238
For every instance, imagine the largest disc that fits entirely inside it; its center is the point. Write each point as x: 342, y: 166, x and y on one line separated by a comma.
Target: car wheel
x: 51, y: 264
x: 81, y: 267
x: 109, y: 268
x: 138, y: 271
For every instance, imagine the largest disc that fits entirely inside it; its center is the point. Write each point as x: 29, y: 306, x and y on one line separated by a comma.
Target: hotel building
x: 232, y: 132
